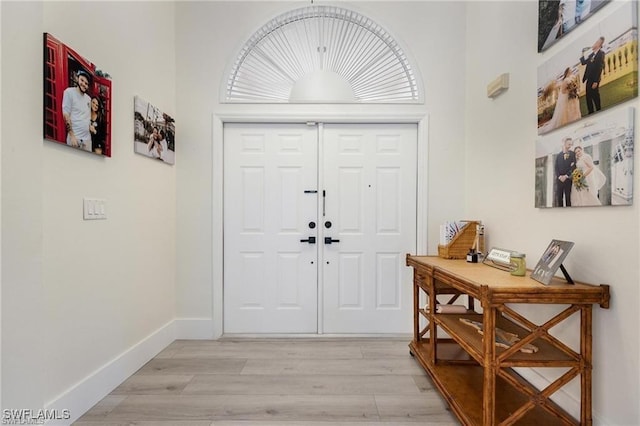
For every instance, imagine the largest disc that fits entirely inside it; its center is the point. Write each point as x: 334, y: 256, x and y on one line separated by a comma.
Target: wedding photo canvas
x: 556, y: 18
x: 77, y: 100
x: 154, y: 132
x: 589, y: 163
x: 597, y: 70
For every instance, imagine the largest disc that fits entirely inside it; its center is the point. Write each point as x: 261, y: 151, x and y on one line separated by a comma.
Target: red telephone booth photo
x: 77, y: 100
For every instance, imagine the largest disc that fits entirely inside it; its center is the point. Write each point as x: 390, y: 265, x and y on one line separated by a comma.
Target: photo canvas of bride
x: 598, y: 70
x: 556, y: 18
x: 589, y: 163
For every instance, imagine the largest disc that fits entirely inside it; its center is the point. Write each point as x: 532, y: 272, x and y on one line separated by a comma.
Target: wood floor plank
x: 423, y: 382
x: 276, y: 382
x: 153, y: 384
x: 271, y: 350
x: 145, y: 423
x: 99, y: 411
x: 424, y: 407
x: 299, y: 423
x: 391, y: 366
x: 193, y: 366
x: 239, y: 407
x: 300, y: 385
x: 385, y: 349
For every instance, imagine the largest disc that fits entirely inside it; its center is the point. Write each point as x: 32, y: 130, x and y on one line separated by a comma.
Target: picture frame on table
x: 551, y: 260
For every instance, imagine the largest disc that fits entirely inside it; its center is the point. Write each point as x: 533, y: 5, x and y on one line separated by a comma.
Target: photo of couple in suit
x: 579, y: 82
x: 589, y: 163
x: 578, y: 179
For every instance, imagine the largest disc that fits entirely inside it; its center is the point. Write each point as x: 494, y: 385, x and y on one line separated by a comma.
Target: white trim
x: 422, y: 210
x: 217, y: 229
x: 88, y: 392
x: 299, y: 114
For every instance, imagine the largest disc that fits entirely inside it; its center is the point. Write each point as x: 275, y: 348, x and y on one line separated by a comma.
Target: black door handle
x: 329, y: 240
x: 310, y: 240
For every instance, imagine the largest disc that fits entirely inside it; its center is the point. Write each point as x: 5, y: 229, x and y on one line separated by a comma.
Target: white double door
x: 317, y: 222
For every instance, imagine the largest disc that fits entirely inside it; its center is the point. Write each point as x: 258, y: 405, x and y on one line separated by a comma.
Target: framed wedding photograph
x: 587, y: 164
x: 551, y: 260
x: 596, y: 71
x: 77, y: 100
x: 556, y: 18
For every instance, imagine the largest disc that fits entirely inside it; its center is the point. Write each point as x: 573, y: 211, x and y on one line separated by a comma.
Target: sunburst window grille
x: 321, y: 54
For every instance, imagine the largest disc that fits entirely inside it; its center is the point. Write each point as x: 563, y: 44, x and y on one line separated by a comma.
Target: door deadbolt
x: 312, y: 225
x: 328, y: 224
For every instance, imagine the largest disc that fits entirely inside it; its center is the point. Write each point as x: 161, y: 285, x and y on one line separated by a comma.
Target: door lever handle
x: 329, y: 240
x: 310, y: 240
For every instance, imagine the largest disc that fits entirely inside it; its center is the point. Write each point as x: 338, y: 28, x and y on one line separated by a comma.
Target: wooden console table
x: 477, y: 377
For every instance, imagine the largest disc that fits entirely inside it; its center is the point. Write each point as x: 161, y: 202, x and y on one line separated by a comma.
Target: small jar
x: 518, y: 264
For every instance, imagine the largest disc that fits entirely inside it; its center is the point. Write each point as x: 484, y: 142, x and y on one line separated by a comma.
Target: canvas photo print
x: 556, y: 18
x: 154, y: 132
x: 597, y: 70
x: 589, y: 163
x: 77, y: 100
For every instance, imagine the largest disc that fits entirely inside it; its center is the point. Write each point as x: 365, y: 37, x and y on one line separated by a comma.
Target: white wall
x: 64, y: 319
x: 0, y: 229
x: 77, y: 295
x: 209, y: 34
x: 22, y: 298
x: 501, y: 135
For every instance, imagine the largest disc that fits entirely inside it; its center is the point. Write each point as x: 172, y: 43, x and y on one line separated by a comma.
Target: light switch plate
x: 94, y: 209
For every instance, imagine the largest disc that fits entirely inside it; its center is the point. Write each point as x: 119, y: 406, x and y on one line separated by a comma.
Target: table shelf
x: 474, y: 374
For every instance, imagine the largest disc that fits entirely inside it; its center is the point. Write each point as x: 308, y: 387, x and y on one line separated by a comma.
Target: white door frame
x: 315, y: 113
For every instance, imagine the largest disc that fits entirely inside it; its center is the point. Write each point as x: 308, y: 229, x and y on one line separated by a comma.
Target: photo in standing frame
x: 551, y: 260
x: 589, y: 163
x: 77, y: 100
x: 556, y: 18
x: 597, y: 70
x: 153, y: 132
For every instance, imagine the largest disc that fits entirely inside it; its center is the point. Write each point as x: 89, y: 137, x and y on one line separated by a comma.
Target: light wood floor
x: 276, y: 382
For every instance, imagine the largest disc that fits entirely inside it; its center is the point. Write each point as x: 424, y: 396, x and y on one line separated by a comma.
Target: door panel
x: 270, y: 277
x: 370, y: 183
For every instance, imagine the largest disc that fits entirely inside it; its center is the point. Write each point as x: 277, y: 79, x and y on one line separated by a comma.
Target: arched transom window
x: 321, y: 54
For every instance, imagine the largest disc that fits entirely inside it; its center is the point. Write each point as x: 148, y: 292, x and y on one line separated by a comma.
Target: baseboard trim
x: 195, y: 329
x: 85, y: 394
